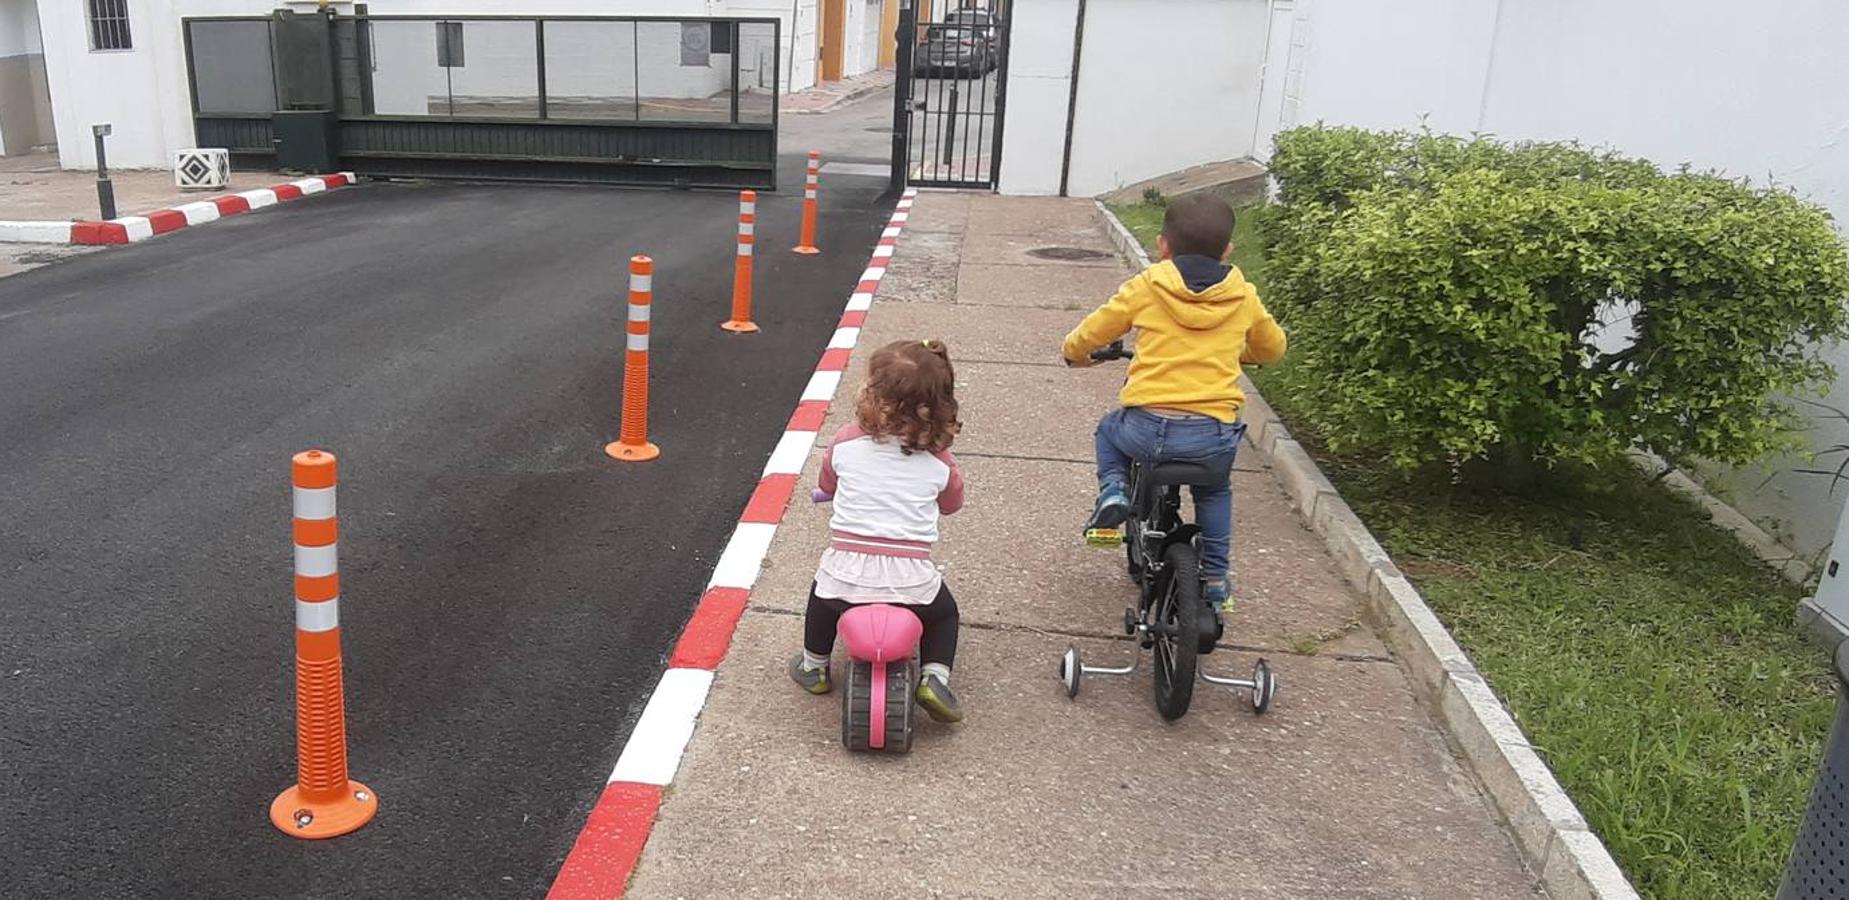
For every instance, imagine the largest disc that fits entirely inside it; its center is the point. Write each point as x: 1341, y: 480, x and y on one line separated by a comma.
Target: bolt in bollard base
x: 297, y: 816
x: 642, y: 452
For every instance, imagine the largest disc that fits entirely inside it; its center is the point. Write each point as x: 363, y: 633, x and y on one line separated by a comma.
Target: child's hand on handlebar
x: 1104, y: 354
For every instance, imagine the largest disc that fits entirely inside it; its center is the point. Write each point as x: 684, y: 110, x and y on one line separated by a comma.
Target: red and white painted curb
x: 606, y: 851
x: 129, y: 229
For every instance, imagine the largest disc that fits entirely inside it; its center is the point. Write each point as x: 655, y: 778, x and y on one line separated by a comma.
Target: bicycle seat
x: 1173, y: 473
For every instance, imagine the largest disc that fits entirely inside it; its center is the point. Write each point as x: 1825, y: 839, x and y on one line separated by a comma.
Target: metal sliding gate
x: 634, y: 100
x: 953, y: 72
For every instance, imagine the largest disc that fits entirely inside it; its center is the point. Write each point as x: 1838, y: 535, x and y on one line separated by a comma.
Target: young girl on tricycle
x: 890, y: 475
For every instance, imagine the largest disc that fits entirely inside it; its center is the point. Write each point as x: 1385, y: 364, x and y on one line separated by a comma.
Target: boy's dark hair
x: 1198, y: 225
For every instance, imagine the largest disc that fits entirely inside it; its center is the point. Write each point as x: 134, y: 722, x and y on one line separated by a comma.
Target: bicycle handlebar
x: 1114, y: 351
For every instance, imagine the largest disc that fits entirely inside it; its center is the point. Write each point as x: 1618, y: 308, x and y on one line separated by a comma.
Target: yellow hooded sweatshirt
x: 1192, y: 334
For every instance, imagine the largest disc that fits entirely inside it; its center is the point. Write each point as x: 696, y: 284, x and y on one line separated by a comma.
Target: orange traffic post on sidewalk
x: 323, y: 802
x: 632, y: 443
x: 741, y: 272
x: 810, y: 183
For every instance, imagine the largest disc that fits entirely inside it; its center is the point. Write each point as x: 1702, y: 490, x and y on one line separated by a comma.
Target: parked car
x: 963, y: 44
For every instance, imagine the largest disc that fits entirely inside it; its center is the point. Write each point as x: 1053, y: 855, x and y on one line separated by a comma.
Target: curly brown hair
x: 910, y: 394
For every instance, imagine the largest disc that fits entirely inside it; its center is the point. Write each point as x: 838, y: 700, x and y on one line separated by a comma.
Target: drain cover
x: 1066, y: 254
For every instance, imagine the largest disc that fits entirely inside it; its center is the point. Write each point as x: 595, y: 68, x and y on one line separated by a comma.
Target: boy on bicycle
x: 1197, y: 319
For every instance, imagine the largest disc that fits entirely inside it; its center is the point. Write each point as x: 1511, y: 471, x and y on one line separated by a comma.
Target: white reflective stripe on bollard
x: 747, y: 228
x: 641, y: 284
x: 744, y: 249
x: 317, y: 615
x: 638, y: 342
x: 639, y: 312
x: 314, y: 503
x: 317, y: 562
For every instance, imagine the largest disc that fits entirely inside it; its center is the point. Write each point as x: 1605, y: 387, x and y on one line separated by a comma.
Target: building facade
x: 124, y: 61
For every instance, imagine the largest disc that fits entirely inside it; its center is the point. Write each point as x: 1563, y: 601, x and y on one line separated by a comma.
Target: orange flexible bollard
x: 632, y: 443
x: 741, y: 271
x: 810, y: 182
x: 323, y: 802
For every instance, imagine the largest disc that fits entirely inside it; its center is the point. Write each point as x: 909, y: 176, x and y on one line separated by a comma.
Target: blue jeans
x: 1133, y: 434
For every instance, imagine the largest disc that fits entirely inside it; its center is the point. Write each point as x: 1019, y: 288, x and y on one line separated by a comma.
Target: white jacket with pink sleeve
x: 887, y: 500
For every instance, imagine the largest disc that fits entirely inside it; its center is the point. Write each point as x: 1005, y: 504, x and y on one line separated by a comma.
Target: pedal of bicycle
x: 1104, y: 537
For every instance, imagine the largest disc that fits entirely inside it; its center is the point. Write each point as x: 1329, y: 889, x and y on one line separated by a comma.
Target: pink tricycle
x: 882, y: 673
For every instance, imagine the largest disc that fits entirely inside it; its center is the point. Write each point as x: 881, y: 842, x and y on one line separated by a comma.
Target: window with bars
x: 109, y: 25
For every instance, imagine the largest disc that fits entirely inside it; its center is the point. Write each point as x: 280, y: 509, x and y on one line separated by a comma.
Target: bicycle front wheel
x: 1177, y: 630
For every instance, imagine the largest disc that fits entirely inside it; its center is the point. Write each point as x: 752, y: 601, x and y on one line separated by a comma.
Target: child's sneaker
x: 1218, y: 597
x: 935, y: 696
x: 1219, y: 603
x: 815, y: 681
x: 1112, y: 508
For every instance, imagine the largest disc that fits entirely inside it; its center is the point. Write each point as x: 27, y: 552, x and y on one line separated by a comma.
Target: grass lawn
x: 1652, y: 660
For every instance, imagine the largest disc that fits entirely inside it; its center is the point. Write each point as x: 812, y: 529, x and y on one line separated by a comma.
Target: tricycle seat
x: 878, y: 632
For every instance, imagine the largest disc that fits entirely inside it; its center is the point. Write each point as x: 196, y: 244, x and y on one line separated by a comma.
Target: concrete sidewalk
x: 1345, y: 789
x: 32, y: 186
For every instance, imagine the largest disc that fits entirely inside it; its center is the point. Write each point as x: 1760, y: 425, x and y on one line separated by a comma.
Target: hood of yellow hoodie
x: 1199, y: 310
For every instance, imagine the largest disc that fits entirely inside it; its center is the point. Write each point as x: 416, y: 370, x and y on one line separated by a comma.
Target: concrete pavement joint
x: 1548, y: 828
x: 1065, y: 460
x: 1114, y: 637
x: 1009, y: 362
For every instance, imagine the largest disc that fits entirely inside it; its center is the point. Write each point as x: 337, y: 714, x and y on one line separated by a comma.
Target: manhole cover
x: 1066, y: 254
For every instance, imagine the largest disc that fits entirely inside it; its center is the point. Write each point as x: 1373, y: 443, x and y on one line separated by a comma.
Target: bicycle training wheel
x: 1176, y: 630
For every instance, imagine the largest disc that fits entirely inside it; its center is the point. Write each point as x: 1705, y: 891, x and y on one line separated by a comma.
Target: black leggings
x: 938, y: 645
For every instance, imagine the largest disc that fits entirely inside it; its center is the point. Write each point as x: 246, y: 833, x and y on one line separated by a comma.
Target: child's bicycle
x: 1170, y: 619
x: 882, y: 673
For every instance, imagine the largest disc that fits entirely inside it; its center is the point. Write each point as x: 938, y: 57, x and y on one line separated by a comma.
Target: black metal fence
x: 628, y: 99
x: 952, y: 87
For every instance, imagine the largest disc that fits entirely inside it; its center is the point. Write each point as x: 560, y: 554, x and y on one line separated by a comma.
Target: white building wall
x: 143, y: 92
x: 19, y: 28
x: 797, y: 41
x: 1390, y: 65
x: 1754, y: 92
x: 20, y: 112
x: 1039, y: 74
x: 1141, y: 114
x: 868, y: 58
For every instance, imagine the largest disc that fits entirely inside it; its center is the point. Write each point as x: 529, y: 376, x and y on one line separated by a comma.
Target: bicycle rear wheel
x: 1176, y: 625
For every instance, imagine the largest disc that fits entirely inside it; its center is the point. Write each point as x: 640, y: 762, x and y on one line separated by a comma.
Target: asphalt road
x: 508, y: 592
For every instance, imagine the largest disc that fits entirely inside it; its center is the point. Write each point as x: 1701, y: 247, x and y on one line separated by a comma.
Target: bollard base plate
x: 296, y: 816
x: 808, y: 251
x: 737, y: 327
x: 632, y: 452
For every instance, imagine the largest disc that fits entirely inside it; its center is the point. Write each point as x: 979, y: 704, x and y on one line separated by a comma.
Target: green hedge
x: 1445, y: 297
